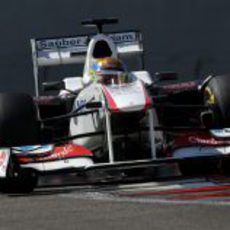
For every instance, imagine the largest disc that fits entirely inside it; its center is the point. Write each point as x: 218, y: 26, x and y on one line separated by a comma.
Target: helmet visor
x: 110, y: 77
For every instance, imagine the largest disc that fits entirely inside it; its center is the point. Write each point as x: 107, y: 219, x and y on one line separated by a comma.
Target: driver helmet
x: 109, y: 71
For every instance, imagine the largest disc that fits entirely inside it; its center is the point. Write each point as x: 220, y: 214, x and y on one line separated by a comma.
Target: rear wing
x: 72, y: 49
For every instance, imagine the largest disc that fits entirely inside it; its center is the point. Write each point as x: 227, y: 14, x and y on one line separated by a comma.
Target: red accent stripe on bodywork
x: 109, y: 98
x: 59, y: 153
x: 148, y: 100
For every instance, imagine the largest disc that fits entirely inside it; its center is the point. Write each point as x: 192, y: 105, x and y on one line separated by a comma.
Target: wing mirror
x: 166, y: 76
x: 53, y: 85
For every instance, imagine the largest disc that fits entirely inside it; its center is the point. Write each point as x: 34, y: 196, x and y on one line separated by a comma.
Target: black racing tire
x: 198, y: 167
x: 19, y: 123
x: 25, y: 182
x: 225, y: 166
x: 18, y: 180
x: 217, y: 96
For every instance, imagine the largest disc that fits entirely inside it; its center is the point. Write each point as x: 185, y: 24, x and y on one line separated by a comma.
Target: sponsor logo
x: 60, y: 43
x: 81, y: 103
x: 82, y: 41
x: 123, y: 37
x: 210, y: 141
x: 63, y: 151
x: 60, y: 152
x: 180, y: 86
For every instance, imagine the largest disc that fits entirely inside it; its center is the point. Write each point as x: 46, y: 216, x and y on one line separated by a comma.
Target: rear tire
x: 19, y: 123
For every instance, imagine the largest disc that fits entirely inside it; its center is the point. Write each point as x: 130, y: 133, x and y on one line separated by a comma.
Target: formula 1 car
x: 89, y: 122
x: 109, y: 117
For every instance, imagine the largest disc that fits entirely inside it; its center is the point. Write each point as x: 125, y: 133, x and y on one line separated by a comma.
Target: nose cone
x: 127, y: 98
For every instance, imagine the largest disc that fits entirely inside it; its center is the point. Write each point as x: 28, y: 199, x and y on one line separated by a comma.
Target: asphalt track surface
x: 176, y: 203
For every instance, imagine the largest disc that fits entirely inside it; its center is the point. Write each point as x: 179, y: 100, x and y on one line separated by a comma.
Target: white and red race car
x: 108, y: 117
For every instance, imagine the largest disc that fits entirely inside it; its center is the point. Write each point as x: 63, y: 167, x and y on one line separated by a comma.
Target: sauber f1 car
x: 108, y: 117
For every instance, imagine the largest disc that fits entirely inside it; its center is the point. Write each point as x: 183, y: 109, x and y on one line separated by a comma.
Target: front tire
x: 217, y: 97
x: 24, y: 182
x: 18, y: 180
x: 225, y: 166
x: 198, y: 167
